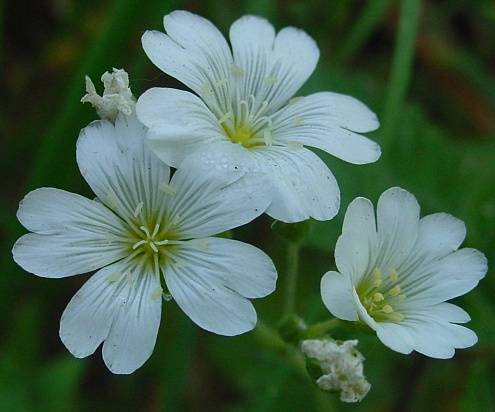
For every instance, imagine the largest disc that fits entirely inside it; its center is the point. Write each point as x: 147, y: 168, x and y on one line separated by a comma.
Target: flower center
x: 379, y: 295
x: 244, y: 120
x: 246, y: 123
x: 150, y: 237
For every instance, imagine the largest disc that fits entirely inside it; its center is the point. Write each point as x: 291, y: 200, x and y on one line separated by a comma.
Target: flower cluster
x: 341, y: 366
x: 172, y: 169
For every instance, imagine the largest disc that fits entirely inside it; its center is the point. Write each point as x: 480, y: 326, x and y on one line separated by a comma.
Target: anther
x: 221, y: 82
x: 152, y: 246
x: 395, y: 291
x: 396, y: 316
x: 394, y: 276
x: 156, y: 294
x: 138, y: 209
x: 378, y: 297
x: 387, y: 309
x: 237, y: 70
x: 377, y: 277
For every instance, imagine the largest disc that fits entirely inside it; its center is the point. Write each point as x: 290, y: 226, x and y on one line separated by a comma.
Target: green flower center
x: 380, y: 296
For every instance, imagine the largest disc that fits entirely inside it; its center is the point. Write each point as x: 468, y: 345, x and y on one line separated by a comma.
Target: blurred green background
x: 427, y: 68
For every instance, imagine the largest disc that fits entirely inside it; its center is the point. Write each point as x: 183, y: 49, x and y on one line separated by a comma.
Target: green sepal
x: 292, y: 328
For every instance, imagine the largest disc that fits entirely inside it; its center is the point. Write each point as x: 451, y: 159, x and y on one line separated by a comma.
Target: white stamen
x: 162, y: 242
x: 137, y: 244
x: 267, y: 136
x: 145, y: 230
x: 225, y: 117
x: 155, y: 230
x: 152, y: 246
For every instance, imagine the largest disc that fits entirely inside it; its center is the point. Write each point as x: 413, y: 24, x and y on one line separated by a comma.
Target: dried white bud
x: 342, y: 367
x: 117, y: 96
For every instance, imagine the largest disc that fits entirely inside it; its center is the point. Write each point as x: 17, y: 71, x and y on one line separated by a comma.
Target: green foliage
x: 424, y: 67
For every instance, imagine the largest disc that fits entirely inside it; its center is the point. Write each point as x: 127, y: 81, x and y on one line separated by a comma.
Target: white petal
x: 271, y: 68
x: 303, y: 186
x: 50, y: 211
x: 134, y: 330
x: 75, y: 235
x: 353, y: 257
x: 397, y: 222
x: 112, y: 304
x: 326, y: 121
x: 118, y: 166
x: 252, y: 41
x: 429, y: 340
x: 395, y: 337
x: 193, y: 50
x: 356, y: 247
x: 440, y: 234
x: 447, y: 278
x: 211, y: 278
x: 178, y: 121
x: 295, y: 55
x: 216, y: 191
x: 448, y: 312
x: 360, y: 218
x: 436, y: 338
x: 336, y: 293
x: 251, y: 37
x: 61, y: 255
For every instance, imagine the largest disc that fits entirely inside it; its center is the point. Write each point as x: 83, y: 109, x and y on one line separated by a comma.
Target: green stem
x: 292, y: 270
x: 401, y: 69
x: 321, y: 328
x: 271, y: 340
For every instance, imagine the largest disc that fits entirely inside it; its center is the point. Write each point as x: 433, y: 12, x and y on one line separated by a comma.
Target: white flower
x: 396, y: 274
x: 143, y: 225
x: 342, y: 367
x: 117, y: 96
x: 245, y: 107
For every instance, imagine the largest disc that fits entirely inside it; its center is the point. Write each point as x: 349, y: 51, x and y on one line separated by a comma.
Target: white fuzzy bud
x: 342, y: 367
x: 117, y: 96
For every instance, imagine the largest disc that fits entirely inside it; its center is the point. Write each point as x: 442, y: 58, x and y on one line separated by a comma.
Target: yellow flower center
x: 380, y: 296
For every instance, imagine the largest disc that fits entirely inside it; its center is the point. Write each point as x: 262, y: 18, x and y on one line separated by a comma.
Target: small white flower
x: 117, y: 96
x: 245, y: 107
x: 142, y: 225
x: 342, y: 367
x: 397, y: 272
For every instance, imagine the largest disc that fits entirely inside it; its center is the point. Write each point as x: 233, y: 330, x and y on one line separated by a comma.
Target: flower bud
x: 117, y: 96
